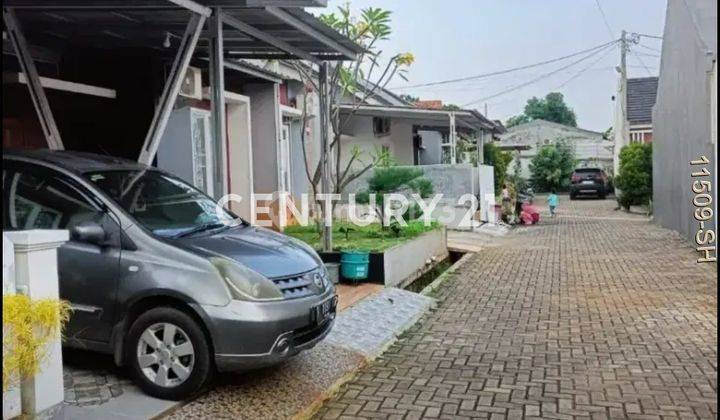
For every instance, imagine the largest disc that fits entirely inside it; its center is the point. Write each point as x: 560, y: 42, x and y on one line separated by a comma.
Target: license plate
x: 325, y: 310
x: 587, y: 181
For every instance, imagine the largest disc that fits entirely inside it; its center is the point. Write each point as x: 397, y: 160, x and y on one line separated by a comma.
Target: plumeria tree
x: 352, y: 83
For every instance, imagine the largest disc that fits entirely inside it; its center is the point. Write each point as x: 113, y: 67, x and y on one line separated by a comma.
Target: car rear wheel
x: 168, y: 354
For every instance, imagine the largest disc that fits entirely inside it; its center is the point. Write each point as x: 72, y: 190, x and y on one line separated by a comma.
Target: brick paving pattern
x: 593, y: 314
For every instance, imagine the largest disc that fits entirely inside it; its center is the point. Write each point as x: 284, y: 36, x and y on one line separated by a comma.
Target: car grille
x: 296, y: 286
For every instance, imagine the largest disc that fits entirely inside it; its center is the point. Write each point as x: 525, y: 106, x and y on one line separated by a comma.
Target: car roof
x: 77, y: 162
x: 588, y: 169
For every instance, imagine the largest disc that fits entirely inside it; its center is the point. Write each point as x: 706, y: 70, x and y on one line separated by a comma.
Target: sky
x: 458, y: 38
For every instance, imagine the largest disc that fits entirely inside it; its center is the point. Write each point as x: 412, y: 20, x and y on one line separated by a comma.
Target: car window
x: 163, y: 204
x: 42, y: 199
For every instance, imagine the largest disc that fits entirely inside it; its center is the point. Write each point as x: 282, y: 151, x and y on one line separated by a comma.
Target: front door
x: 285, y: 159
x: 38, y: 198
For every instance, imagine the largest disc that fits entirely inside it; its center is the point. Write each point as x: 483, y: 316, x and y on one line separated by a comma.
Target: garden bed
x: 395, y: 259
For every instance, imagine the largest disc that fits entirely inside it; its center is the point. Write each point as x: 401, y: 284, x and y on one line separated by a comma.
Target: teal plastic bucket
x: 354, y: 265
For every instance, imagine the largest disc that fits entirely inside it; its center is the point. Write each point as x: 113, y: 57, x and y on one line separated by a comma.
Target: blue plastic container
x: 355, y: 265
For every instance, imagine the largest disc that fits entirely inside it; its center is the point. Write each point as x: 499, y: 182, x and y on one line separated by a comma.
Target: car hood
x: 264, y: 251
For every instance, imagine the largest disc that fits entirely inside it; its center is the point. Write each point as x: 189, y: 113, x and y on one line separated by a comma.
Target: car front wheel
x: 168, y: 354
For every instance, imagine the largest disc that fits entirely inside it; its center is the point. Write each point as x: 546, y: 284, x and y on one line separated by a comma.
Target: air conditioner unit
x: 192, y: 84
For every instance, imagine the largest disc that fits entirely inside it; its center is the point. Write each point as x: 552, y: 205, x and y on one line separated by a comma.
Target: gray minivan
x: 160, y: 277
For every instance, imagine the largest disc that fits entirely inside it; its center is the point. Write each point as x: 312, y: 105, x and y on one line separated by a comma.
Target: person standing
x: 553, y: 202
x: 506, y: 203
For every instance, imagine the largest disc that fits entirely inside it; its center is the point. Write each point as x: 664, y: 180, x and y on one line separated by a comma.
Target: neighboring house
x: 108, y: 89
x: 685, y: 116
x: 429, y: 138
x: 591, y: 148
x: 641, y: 93
x: 413, y: 135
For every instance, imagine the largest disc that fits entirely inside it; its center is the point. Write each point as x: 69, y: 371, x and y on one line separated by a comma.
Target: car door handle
x: 94, y: 310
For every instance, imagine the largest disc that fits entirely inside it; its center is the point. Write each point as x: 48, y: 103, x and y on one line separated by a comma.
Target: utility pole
x: 621, y: 132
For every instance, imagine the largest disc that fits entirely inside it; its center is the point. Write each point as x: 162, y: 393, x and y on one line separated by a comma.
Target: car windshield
x: 163, y: 204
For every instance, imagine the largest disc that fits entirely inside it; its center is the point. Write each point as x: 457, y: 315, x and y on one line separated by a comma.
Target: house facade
x: 414, y: 135
x: 127, y: 81
x: 641, y: 95
x: 685, y: 116
x: 591, y: 148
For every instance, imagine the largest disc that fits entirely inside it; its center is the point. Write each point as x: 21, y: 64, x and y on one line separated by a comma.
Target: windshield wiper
x: 199, y: 228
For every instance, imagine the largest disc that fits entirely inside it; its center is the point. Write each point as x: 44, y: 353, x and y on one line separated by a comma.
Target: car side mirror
x: 89, y: 232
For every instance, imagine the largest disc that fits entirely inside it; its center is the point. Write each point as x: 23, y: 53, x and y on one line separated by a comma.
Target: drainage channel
x: 421, y: 282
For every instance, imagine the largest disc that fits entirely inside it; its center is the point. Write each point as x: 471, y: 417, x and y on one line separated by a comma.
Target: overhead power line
x: 637, y: 57
x: 649, y: 48
x: 605, y: 19
x: 541, y: 77
x: 505, y: 71
x: 585, y: 69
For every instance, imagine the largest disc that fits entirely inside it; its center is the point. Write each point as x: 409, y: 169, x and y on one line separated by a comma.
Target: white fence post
x: 36, y: 275
x: 11, y: 398
x: 487, y: 193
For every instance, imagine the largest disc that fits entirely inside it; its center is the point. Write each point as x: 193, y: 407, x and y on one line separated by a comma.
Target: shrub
x: 634, y: 179
x: 28, y: 326
x: 395, y: 179
x: 499, y: 160
x: 552, y: 167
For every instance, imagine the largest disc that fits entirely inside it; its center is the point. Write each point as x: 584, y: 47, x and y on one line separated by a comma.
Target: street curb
x: 315, y: 406
x: 444, y: 276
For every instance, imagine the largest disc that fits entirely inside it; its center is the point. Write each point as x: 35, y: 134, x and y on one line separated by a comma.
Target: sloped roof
x: 467, y: 118
x: 429, y: 104
x: 641, y: 95
x: 535, y: 131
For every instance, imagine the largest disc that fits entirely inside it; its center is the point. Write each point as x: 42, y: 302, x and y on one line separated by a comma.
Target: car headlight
x: 244, y: 283
x: 325, y: 276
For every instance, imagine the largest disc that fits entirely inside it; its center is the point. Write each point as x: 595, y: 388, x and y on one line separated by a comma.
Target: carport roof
x: 428, y: 117
x: 59, y: 25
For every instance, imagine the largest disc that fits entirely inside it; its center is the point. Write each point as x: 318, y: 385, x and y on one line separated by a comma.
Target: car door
x: 36, y: 197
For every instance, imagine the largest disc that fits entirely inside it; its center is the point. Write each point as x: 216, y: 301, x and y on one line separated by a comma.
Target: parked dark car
x: 589, y: 181
x: 160, y: 277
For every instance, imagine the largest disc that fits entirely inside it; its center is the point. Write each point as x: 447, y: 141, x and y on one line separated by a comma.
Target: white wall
x: 265, y: 116
x: 359, y: 132
x: 682, y: 116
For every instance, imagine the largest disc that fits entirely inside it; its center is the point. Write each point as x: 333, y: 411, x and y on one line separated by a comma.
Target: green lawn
x: 362, y: 238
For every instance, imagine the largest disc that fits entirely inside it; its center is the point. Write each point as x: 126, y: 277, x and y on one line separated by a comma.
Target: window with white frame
x: 640, y: 136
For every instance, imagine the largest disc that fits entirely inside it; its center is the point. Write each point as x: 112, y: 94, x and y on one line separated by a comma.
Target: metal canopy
x: 226, y: 4
x: 266, y: 32
x: 425, y: 117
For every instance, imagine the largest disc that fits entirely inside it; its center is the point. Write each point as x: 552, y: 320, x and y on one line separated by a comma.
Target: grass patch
x: 372, y: 238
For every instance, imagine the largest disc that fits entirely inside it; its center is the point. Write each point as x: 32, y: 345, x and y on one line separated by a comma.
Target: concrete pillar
x: 36, y: 275
x: 11, y: 397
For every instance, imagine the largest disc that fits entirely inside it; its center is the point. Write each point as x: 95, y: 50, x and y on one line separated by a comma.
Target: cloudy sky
x: 458, y: 38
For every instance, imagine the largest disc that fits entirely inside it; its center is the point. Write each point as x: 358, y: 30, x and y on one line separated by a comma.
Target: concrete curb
x: 444, y: 276
x: 313, y: 408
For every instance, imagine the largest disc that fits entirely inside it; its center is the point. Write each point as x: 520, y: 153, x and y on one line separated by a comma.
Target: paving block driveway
x: 594, y: 314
